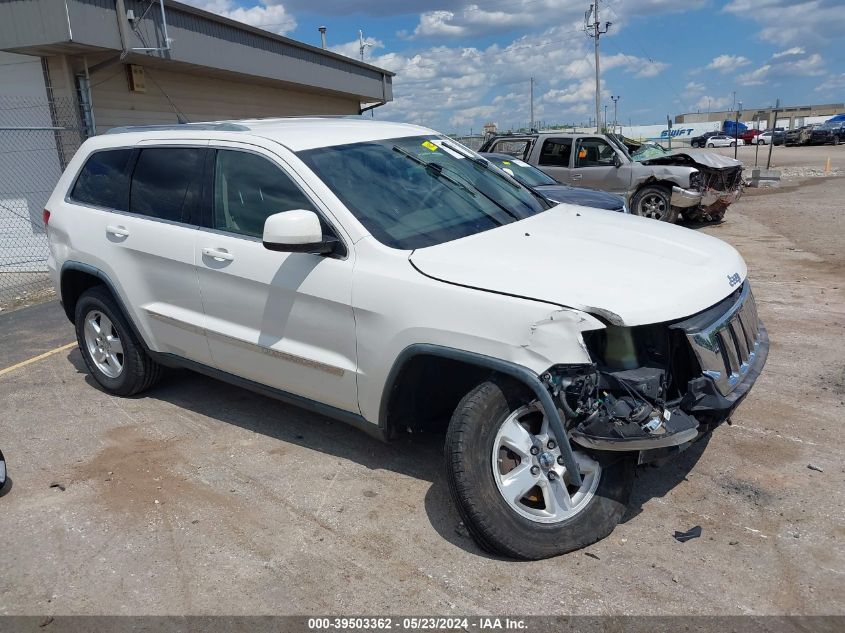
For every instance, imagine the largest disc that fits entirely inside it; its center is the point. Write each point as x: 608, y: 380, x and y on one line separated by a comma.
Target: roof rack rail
x: 219, y: 127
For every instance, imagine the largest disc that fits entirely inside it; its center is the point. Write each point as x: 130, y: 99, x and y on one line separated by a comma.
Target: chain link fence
x: 38, y: 137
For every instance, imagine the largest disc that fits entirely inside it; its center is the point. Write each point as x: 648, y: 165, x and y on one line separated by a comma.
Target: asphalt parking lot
x: 202, y: 498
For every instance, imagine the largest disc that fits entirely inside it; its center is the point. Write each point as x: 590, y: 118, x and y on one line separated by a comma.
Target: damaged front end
x: 719, y: 181
x: 655, y: 389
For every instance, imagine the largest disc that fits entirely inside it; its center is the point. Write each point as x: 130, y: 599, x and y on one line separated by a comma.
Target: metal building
x: 73, y: 68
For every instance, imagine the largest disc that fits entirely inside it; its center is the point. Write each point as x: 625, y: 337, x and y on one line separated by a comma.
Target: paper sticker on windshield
x: 506, y: 162
x: 429, y: 145
x: 438, y: 142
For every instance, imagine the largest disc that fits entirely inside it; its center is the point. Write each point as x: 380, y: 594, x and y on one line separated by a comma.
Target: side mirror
x: 617, y: 162
x: 2, y: 472
x: 297, y: 231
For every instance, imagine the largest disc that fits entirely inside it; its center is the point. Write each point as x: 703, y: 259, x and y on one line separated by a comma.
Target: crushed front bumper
x: 684, y: 198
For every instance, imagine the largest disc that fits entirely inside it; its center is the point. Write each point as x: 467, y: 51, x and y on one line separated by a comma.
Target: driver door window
x: 248, y: 189
x: 594, y: 152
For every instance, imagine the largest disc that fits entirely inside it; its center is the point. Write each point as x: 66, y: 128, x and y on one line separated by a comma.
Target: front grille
x: 727, y: 347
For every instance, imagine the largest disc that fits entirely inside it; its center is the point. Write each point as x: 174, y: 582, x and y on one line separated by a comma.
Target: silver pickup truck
x: 696, y: 183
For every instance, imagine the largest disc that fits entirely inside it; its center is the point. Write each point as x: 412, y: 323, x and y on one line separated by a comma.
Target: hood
x: 626, y: 269
x: 583, y: 197
x: 695, y: 157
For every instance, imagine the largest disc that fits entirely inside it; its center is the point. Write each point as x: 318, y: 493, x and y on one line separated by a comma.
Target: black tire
x: 732, y: 144
x: 836, y: 140
x: 495, y: 526
x: 139, y: 372
x: 642, y: 204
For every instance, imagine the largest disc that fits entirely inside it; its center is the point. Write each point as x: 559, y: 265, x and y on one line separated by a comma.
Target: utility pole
x: 531, y: 124
x: 774, y: 125
x: 605, y: 118
x: 615, y: 100
x: 595, y: 31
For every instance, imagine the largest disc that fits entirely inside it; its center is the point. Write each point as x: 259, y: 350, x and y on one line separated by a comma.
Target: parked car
x: 763, y: 139
x: 701, y: 141
x: 544, y: 184
x: 720, y: 140
x: 837, y: 131
x: 797, y: 136
x: 381, y: 274
x: 695, y: 183
x: 748, y: 136
x: 819, y: 134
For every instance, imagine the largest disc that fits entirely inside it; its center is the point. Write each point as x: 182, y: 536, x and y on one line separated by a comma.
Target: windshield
x: 522, y: 171
x: 419, y: 191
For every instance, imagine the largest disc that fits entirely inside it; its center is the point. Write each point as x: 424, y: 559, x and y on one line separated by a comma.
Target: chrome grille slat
x: 739, y: 339
x: 727, y: 347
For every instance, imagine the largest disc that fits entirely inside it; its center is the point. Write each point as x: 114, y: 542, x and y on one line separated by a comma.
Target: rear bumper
x: 684, y: 198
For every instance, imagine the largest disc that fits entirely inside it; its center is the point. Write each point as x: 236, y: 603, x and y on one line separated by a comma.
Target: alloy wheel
x: 652, y: 206
x: 104, y: 344
x: 529, y: 471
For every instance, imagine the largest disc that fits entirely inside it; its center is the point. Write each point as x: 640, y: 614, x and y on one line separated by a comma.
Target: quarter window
x: 555, y: 152
x: 166, y: 182
x: 248, y: 189
x: 104, y: 180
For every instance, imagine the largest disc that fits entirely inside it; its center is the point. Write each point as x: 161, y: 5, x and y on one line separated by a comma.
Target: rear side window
x: 518, y: 148
x: 555, y: 152
x: 166, y: 182
x: 104, y: 180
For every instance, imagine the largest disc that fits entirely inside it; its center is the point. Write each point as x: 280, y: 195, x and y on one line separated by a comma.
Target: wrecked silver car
x: 698, y: 185
x: 721, y: 179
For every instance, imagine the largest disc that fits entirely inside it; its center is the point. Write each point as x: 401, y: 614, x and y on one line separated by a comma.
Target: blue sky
x: 460, y: 64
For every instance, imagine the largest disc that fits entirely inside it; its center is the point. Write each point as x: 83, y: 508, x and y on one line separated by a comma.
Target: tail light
x: 46, y: 217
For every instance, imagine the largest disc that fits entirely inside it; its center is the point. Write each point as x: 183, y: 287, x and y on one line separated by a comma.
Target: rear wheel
x: 654, y: 201
x: 111, y: 351
x: 505, y: 474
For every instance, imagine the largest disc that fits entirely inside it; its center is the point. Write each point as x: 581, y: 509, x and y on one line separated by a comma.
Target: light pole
x: 615, y: 99
x: 605, y: 118
x: 736, y: 128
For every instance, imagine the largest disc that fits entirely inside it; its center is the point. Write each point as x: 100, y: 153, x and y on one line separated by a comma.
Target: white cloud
x: 833, y: 83
x: 795, y: 50
x: 269, y: 15
x: 727, y: 63
x: 353, y: 49
x: 694, y: 87
x: 709, y: 103
x: 800, y: 22
x: 784, y: 64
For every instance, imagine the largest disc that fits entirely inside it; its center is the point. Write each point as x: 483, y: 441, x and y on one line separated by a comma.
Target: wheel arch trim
x: 107, y: 282
x: 512, y: 370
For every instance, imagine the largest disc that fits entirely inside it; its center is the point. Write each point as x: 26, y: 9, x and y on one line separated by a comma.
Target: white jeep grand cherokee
x: 384, y: 275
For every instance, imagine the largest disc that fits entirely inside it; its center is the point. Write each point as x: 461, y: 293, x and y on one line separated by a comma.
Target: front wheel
x: 504, y: 469
x: 654, y: 202
x: 733, y: 144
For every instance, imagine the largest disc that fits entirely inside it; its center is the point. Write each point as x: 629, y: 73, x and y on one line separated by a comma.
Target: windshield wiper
x: 437, y: 171
x: 434, y: 169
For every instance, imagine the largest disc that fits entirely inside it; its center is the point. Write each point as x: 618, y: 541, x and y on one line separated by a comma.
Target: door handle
x: 219, y: 254
x: 117, y: 231
x: 576, y: 176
